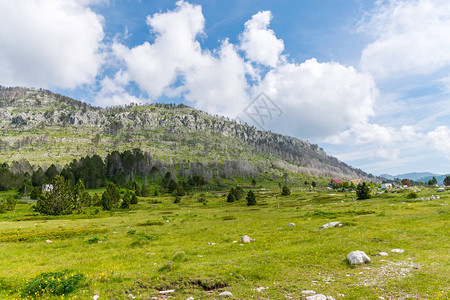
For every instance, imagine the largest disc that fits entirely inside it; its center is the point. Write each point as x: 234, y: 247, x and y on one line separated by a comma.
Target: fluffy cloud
x: 260, y: 43
x: 49, y: 43
x: 174, y: 64
x: 440, y: 139
x: 411, y: 37
x: 319, y: 99
x: 154, y: 67
x: 113, y: 91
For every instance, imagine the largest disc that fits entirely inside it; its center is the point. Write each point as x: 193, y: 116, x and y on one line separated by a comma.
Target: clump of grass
x: 143, y: 239
x: 93, y: 240
x: 131, y: 232
x: 60, y: 233
x: 151, y: 223
x: 412, y: 195
x: 229, y: 218
x: 53, y: 283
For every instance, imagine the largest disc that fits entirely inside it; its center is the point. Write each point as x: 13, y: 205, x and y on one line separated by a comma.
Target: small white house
x: 386, y: 186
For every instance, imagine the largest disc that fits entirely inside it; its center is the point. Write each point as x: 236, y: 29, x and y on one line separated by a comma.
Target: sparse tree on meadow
x: 251, y: 199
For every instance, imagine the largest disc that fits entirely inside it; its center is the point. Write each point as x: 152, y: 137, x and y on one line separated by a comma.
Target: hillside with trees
x: 44, y: 128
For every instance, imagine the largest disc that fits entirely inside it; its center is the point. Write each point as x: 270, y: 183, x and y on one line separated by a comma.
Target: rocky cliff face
x: 39, y: 112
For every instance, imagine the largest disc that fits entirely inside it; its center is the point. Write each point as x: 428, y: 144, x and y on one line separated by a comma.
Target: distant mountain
x: 416, y: 176
x: 43, y: 127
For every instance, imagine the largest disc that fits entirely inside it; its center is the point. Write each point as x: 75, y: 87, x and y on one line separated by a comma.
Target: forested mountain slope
x: 43, y: 127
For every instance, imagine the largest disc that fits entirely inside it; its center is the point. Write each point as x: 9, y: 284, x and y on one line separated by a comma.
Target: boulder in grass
x: 331, y: 225
x: 291, y: 224
x: 397, y: 250
x: 246, y: 239
x: 308, y: 292
x: 317, y: 297
x: 226, y: 294
x: 357, y: 258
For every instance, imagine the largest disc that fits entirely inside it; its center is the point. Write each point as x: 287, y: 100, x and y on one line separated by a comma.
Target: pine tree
x: 363, y: 191
x: 230, y: 198
x: 251, y: 199
x: 285, y: 191
x: 134, y: 198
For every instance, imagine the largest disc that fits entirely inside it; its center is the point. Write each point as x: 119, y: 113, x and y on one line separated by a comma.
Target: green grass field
x: 190, y: 247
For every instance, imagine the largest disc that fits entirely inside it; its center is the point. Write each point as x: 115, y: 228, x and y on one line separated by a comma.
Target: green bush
x: 230, y: 197
x: 177, y: 199
x: 285, y: 191
x: 412, y: 195
x: 56, y: 283
x: 7, y: 204
x: 251, y: 199
x: 363, y: 191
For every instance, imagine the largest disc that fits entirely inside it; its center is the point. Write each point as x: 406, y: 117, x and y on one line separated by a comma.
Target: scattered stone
x: 199, y: 255
x: 235, y: 242
x: 259, y: 289
x: 115, y: 232
x: 178, y: 254
x: 131, y: 296
x: 331, y: 225
x: 246, y: 239
x: 167, y: 221
x: 383, y: 253
x: 211, y: 243
x: 358, y: 257
x: 291, y: 225
x: 226, y: 293
x: 95, y: 297
x: 398, y: 250
x: 48, y: 241
x: 317, y: 297
x: 308, y: 292
x: 167, y: 292
x: 190, y: 298
x: 440, y: 190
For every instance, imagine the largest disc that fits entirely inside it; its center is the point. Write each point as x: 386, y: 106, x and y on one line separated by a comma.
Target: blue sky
x: 367, y: 81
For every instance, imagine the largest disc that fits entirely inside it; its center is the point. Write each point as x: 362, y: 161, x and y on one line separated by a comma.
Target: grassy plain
x: 190, y: 247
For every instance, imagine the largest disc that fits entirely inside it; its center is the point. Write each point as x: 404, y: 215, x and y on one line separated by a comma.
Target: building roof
x: 338, y: 181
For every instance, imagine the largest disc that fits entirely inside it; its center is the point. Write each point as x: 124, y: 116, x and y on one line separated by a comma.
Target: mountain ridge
x: 55, y: 126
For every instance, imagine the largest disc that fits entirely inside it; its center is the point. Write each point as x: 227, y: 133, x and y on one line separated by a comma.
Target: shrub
x: 231, y: 198
x: 7, y: 204
x: 412, y: 195
x: 134, y: 198
x: 59, y: 201
x: 251, y: 199
x: 177, y: 199
x: 126, y: 201
x: 110, y: 197
x: 285, y: 191
x: 56, y: 283
x: 363, y: 191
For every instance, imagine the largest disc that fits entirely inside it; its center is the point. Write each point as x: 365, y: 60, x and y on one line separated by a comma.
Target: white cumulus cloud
x: 49, y: 43
x: 410, y: 37
x: 319, y: 99
x: 260, y: 43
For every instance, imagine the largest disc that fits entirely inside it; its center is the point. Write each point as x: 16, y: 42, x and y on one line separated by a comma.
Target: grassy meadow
x: 195, y: 249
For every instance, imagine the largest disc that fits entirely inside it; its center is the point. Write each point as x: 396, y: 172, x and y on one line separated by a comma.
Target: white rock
x: 235, y: 242
x: 167, y: 221
x: 167, y: 292
x: 291, y: 224
x: 317, y: 297
x: 131, y: 296
x: 383, y: 253
x: 261, y: 288
x: 95, y: 297
x: 48, y: 241
x: 398, y: 250
x: 358, y: 257
x: 246, y: 239
x: 331, y: 225
x: 226, y: 293
x: 308, y: 292
x: 211, y: 243
x: 190, y: 298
